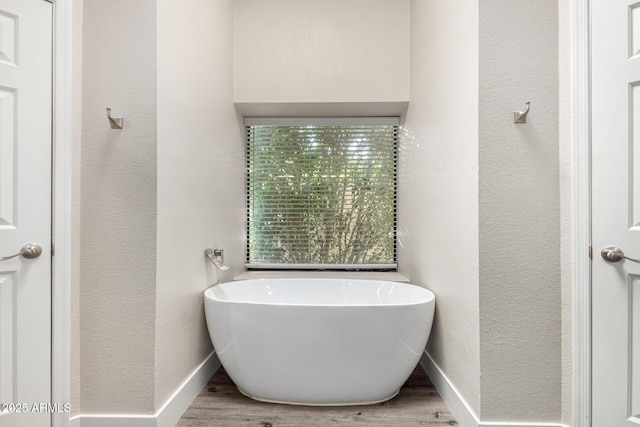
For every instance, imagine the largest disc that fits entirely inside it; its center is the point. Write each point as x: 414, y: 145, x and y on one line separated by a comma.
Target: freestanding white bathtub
x: 319, y: 341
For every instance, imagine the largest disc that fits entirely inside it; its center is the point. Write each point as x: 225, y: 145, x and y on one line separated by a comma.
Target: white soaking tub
x: 319, y: 341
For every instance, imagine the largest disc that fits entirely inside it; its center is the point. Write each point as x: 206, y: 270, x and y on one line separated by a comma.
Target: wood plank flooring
x: 221, y: 404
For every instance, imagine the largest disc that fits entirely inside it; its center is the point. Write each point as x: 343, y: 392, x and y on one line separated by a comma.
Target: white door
x: 616, y: 212
x: 25, y: 212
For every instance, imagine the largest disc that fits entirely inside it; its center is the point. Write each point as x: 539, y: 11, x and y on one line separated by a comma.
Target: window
x: 321, y: 193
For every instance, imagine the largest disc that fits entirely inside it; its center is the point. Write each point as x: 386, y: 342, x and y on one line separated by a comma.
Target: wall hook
x: 521, y: 116
x: 115, y: 122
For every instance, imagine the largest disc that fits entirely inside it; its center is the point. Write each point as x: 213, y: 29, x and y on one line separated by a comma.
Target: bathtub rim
x: 385, y: 276
x: 429, y: 298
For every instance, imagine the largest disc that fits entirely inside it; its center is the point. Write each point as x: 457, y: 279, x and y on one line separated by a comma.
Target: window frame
x: 322, y: 121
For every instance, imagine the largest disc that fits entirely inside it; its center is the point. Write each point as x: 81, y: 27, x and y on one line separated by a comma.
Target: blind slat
x: 321, y: 193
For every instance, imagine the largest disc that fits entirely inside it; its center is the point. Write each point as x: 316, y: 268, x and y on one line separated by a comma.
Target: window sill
x: 390, y: 276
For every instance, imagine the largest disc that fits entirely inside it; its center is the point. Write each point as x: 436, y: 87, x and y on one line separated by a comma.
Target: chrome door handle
x: 29, y: 251
x: 615, y: 254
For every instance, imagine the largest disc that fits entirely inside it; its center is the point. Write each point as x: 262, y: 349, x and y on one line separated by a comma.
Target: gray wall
x: 520, y: 307
x: 340, y: 51
x: 118, y: 208
x: 480, y: 202
x: 565, y: 175
x: 438, y: 189
x: 200, y: 179
x: 76, y: 144
x: 153, y: 196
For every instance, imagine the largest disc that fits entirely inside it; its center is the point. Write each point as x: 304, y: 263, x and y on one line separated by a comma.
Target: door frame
x: 581, y: 212
x: 63, y: 122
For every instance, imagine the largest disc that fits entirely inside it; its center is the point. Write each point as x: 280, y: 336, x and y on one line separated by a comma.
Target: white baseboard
x: 508, y: 424
x: 456, y: 403
x: 174, y: 407
x: 168, y: 415
x: 113, y: 420
x: 454, y: 400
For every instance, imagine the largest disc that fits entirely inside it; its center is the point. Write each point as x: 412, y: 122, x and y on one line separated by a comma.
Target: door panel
x: 616, y: 212
x: 25, y: 211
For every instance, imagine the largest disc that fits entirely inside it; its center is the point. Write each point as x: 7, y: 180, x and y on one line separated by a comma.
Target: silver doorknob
x: 615, y: 254
x: 29, y: 251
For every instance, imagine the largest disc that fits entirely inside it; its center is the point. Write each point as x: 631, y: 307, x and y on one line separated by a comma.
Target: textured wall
x: 313, y: 51
x: 154, y: 195
x: 479, y: 199
x: 76, y: 179
x: 565, y: 148
x: 520, y: 324
x: 200, y: 178
x: 438, y: 189
x: 118, y: 208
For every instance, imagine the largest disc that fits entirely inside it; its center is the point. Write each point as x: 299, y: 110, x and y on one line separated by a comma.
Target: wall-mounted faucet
x: 216, y: 256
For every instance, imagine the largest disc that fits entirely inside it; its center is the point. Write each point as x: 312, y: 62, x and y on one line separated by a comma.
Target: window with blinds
x: 321, y: 193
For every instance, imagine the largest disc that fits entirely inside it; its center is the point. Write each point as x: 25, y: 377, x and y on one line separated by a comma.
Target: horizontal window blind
x: 321, y: 194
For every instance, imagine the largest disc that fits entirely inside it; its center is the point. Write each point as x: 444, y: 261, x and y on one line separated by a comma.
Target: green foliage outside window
x: 321, y: 194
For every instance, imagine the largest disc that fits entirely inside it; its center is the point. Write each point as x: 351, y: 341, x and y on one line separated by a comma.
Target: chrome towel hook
x: 521, y: 116
x: 115, y: 122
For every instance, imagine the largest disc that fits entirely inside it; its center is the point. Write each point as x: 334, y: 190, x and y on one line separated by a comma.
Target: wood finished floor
x: 221, y: 404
